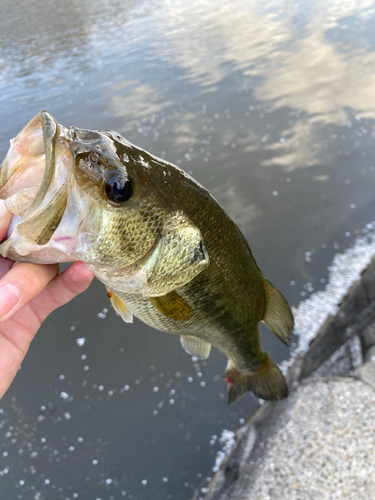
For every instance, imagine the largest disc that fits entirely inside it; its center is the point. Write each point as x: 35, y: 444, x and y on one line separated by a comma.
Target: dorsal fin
x: 278, y: 317
x: 196, y: 347
x: 119, y: 306
x: 172, y: 306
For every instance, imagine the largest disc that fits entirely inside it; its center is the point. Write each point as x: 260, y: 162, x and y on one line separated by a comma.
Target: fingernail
x: 9, y: 297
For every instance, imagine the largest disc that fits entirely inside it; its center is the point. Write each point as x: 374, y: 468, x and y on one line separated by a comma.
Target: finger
x: 5, y: 266
x: 22, y: 284
x: 5, y: 219
x: 20, y: 333
x: 11, y: 357
x: 63, y: 288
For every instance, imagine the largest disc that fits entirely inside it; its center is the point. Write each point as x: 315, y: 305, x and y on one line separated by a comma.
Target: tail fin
x: 267, y: 382
x: 278, y: 317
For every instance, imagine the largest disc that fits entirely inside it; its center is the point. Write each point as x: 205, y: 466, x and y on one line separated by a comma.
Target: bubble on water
x: 67, y: 415
x: 83, y: 357
x: 171, y: 401
x: 108, y: 481
x: 5, y: 454
x: 155, y: 389
x: 203, y: 384
x: 72, y: 328
x: 275, y: 193
x: 86, y: 368
x: 353, y: 205
x: 95, y: 462
x: 71, y: 448
x: 47, y: 481
x: 241, y: 421
x: 190, y: 379
x: 22, y: 482
x: 101, y: 388
x: 144, y: 482
x: 80, y: 439
x: 81, y: 341
x: 165, y: 479
x: 34, y: 454
x: 105, y: 310
x: 64, y: 395
x: 126, y: 387
x: 61, y: 377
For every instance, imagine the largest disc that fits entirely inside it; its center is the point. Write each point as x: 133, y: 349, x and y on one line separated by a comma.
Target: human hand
x: 28, y: 294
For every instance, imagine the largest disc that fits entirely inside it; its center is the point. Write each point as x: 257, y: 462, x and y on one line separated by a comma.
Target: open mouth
x: 24, y: 178
x: 33, y: 183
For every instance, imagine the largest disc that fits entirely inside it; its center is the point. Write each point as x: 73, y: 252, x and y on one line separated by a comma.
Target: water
x: 270, y: 106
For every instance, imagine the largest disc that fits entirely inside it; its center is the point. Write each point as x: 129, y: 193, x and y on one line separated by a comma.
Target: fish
x: 164, y: 248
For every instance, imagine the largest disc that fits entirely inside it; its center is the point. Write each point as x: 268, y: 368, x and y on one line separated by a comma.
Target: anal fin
x: 278, y: 317
x: 196, y: 347
x: 119, y: 306
x: 172, y: 306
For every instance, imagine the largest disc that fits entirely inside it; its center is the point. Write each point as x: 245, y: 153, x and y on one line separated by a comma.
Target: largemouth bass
x: 165, y: 249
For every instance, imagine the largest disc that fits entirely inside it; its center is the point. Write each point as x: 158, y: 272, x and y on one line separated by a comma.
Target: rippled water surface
x: 271, y: 106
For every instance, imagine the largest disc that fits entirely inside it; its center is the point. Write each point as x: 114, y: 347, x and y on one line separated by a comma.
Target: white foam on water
x: 227, y: 440
x: 346, y: 268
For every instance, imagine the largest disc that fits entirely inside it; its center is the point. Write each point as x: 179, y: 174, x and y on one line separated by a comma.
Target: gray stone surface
x: 320, y: 442
x: 366, y: 373
x: 323, y: 448
x: 356, y: 312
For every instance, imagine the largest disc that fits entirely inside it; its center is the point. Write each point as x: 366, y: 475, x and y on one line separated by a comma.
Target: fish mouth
x: 34, y: 182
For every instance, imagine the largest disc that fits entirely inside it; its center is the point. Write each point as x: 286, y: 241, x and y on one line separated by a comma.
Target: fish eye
x: 118, y: 189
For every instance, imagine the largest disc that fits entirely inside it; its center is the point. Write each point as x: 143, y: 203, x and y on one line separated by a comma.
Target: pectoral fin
x: 179, y: 256
x: 120, y: 307
x: 172, y: 306
x: 195, y: 346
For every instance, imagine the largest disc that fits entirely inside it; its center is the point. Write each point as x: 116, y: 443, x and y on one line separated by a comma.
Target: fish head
x: 87, y: 195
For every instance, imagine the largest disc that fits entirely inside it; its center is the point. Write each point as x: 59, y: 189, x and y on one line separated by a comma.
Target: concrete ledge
x: 319, y: 443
